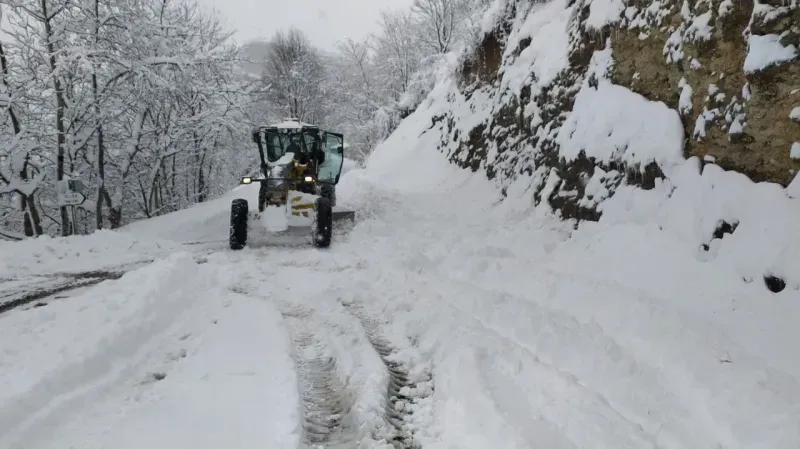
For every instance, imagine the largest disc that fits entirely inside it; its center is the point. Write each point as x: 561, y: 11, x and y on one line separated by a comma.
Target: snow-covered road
x: 442, y: 320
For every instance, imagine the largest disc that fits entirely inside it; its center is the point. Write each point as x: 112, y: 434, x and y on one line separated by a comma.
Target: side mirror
x: 340, y: 150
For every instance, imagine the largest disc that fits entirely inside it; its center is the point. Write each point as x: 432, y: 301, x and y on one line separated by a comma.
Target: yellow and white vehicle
x: 300, y: 167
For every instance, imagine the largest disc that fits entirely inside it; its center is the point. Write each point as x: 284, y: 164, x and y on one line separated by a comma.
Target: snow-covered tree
x: 150, y: 104
x: 140, y: 99
x: 16, y: 166
x: 294, y: 73
x: 439, y: 22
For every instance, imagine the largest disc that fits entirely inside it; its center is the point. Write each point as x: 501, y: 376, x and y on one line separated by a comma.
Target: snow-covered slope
x: 730, y: 71
x: 199, y: 223
x: 558, y: 102
x: 620, y: 333
x: 504, y: 326
x: 490, y: 320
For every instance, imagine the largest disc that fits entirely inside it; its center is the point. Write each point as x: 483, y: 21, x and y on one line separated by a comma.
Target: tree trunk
x: 66, y: 225
x: 101, y: 177
x: 101, y: 170
x: 114, y: 211
x: 32, y: 217
x: 31, y: 221
x: 199, y: 156
x: 201, y: 185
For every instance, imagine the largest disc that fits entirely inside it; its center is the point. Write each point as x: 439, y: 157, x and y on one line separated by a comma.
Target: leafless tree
x: 439, y: 21
x: 396, y: 50
x: 294, y: 72
x: 139, y: 99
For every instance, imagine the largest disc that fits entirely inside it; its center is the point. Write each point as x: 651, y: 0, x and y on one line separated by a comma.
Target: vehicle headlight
x: 309, y: 178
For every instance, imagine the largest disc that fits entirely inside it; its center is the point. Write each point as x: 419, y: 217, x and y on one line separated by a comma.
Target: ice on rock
x: 795, y: 114
x: 794, y: 153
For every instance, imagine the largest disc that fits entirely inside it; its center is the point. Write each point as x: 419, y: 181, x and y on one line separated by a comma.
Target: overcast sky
x: 324, y: 21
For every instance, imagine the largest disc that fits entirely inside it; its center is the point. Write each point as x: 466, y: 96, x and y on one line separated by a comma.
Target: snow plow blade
x: 339, y: 215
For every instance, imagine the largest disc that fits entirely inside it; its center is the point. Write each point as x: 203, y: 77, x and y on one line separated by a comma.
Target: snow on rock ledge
x: 766, y: 51
x: 574, y: 101
x: 730, y: 68
x: 528, y: 101
x: 630, y: 128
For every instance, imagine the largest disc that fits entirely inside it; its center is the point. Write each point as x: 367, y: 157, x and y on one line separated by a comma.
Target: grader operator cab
x: 300, y: 167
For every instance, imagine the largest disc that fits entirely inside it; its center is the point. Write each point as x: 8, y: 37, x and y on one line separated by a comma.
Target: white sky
x: 324, y: 21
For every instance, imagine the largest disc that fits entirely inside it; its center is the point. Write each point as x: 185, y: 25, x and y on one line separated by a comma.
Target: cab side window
x: 331, y: 167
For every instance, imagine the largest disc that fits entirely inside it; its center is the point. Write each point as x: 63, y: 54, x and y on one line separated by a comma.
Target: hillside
x: 575, y: 101
x: 544, y: 255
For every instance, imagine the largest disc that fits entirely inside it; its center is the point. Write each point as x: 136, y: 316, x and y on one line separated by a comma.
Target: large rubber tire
x: 329, y: 192
x: 323, y: 232
x: 238, y: 233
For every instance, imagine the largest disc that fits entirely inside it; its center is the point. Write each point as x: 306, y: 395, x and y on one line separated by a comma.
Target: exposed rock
x: 774, y: 283
x: 698, y: 57
x: 738, y: 117
x: 724, y: 228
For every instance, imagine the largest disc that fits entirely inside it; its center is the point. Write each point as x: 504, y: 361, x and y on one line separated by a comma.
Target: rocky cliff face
x: 582, y: 96
x: 730, y: 68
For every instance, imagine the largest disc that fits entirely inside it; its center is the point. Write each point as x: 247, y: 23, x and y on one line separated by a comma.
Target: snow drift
x: 540, y: 108
x: 588, y: 284
x: 605, y: 233
x: 625, y: 332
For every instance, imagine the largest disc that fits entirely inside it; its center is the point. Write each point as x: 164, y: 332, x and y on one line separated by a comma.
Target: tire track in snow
x: 403, y: 395
x: 510, y: 402
x: 44, y: 289
x: 557, y: 378
x: 324, y: 401
x: 560, y: 328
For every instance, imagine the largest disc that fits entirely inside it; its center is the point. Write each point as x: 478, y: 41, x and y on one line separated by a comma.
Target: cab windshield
x: 301, y: 143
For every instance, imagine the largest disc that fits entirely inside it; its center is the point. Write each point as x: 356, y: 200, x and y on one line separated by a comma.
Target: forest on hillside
x: 149, y: 103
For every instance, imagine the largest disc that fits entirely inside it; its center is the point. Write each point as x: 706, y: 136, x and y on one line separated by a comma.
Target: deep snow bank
x: 538, y: 108
x: 622, y: 333
x: 77, y: 254
x: 166, y: 355
x: 650, y: 327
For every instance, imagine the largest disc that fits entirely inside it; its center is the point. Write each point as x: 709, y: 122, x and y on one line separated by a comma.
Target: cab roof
x: 291, y: 123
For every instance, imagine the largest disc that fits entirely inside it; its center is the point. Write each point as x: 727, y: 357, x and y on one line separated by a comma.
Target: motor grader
x: 300, y: 167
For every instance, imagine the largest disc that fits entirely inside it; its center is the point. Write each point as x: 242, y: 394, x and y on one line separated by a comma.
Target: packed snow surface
x: 651, y: 328
x: 622, y: 334
x: 166, y: 356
